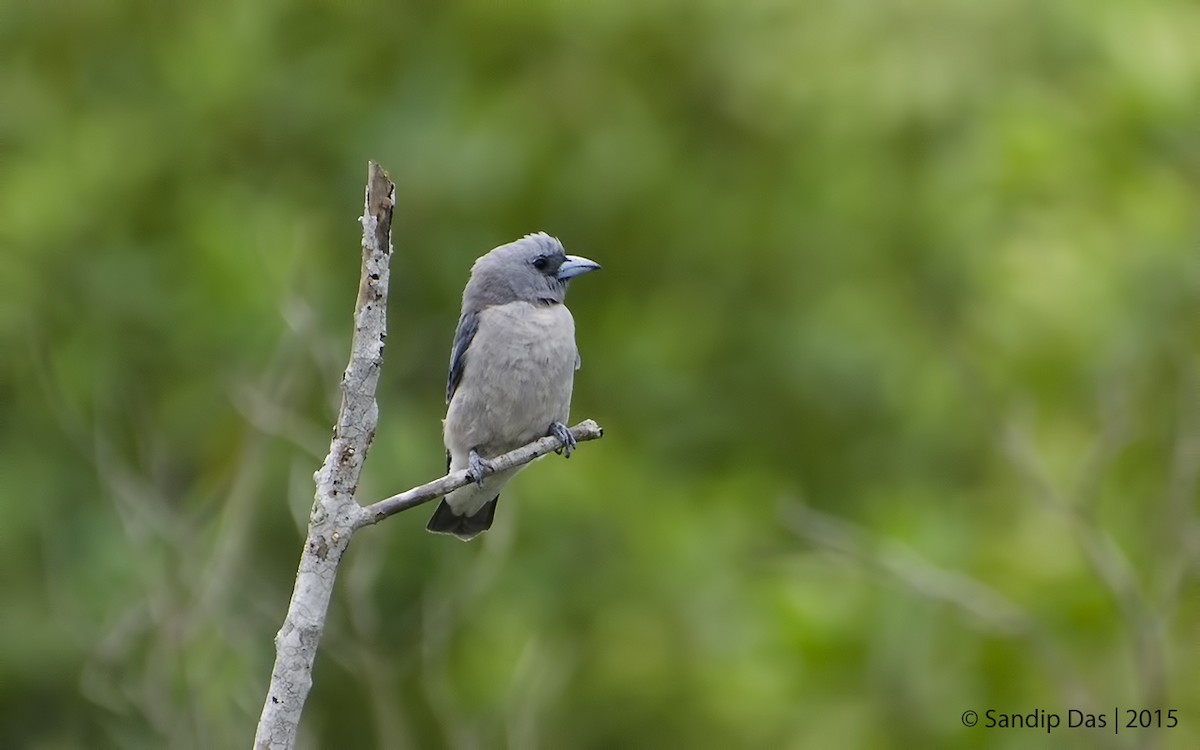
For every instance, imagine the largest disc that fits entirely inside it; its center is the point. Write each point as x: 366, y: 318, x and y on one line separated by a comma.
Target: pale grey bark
x: 336, y: 515
x: 334, y: 509
x: 585, y: 430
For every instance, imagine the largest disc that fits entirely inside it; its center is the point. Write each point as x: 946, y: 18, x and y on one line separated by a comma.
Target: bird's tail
x: 466, y: 528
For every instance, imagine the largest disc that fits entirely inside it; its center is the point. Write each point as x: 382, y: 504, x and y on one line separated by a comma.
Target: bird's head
x: 533, y: 269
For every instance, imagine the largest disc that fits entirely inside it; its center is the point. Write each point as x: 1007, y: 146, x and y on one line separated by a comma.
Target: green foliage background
x: 895, y: 346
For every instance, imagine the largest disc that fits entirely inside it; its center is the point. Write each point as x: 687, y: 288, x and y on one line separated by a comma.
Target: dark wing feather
x: 468, y: 325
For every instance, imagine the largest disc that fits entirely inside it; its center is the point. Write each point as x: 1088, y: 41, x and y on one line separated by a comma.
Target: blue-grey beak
x: 575, y: 265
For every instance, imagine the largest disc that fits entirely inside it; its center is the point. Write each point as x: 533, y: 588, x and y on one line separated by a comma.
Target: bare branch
x: 334, y: 508
x: 585, y: 430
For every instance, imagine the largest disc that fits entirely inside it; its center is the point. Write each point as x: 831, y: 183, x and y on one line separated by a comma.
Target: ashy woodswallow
x: 511, y: 370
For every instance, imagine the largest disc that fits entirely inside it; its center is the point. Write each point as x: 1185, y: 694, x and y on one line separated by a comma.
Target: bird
x: 512, y: 368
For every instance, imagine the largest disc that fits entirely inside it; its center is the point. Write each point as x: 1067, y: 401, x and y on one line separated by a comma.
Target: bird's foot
x: 478, y: 467
x: 560, y: 431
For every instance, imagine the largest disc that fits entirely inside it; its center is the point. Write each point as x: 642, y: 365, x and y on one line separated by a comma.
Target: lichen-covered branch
x: 585, y: 430
x: 334, y: 510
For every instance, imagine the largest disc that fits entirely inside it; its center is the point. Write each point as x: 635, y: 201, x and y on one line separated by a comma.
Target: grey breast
x: 520, y: 370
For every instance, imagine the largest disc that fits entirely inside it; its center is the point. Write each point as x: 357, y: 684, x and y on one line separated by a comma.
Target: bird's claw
x: 560, y: 431
x: 478, y: 467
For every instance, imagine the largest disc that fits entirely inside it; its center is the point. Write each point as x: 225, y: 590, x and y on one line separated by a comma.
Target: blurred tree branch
x: 1109, y: 564
x: 994, y: 612
x: 336, y: 515
x: 990, y: 610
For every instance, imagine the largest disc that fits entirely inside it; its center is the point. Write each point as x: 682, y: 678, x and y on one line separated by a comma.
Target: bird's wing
x: 468, y: 325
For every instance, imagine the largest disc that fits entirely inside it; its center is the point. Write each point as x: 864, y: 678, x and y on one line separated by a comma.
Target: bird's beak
x: 575, y: 265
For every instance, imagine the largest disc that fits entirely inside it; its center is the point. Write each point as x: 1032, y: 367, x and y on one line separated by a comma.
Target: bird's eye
x: 540, y: 263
